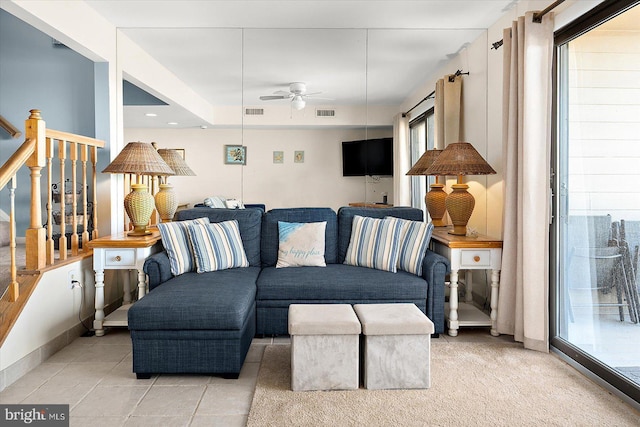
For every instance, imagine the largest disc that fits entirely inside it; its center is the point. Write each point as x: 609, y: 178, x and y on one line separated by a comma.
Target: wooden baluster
x: 14, y: 289
x: 94, y: 179
x: 62, y: 242
x: 50, y: 243
x: 73, y: 155
x: 35, y: 235
x: 85, y: 189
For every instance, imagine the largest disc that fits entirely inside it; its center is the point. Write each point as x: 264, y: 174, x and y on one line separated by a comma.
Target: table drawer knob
x: 476, y: 258
x: 118, y: 258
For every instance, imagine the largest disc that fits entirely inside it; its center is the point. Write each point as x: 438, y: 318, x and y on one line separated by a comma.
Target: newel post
x: 35, y: 235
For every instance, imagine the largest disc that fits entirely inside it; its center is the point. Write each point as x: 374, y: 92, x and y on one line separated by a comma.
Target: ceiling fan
x: 297, y: 94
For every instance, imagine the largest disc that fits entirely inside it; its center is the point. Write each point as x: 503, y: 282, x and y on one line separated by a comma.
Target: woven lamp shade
x: 435, y: 198
x: 139, y: 158
x: 166, y: 199
x: 424, y: 162
x: 460, y: 158
x: 175, y: 162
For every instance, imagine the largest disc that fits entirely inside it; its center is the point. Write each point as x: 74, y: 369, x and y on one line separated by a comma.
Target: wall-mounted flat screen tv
x: 367, y: 157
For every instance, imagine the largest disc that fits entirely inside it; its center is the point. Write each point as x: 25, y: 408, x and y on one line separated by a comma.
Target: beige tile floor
x: 93, y: 375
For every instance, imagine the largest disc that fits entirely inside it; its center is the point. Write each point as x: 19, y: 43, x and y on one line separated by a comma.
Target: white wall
x: 316, y: 182
x: 604, y: 85
x: 482, y: 106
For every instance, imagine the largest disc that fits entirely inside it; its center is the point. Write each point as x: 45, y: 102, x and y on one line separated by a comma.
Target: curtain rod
x: 452, y: 77
x: 537, y: 18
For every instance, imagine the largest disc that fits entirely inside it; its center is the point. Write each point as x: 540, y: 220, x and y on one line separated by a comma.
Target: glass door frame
x: 581, y: 360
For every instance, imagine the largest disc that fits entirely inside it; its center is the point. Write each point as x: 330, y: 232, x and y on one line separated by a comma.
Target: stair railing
x: 37, y: 153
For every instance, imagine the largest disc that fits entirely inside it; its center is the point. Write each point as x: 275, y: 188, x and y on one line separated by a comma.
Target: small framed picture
x: 278, y: 157
x: 235, y: 155
x: 298, y: 156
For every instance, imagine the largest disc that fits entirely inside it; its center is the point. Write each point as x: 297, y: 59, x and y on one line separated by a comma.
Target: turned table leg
x: 99, y: 301
x: 453, y: 303
x: 494, y: 301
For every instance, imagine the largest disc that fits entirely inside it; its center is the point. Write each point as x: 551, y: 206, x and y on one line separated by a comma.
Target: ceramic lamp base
x: 139, y: 206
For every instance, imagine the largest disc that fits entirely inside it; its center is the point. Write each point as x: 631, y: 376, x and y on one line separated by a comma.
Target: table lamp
x: 460, y: 158
x: 139, y: 158
x: 435, y: 198
x: 166, y: 199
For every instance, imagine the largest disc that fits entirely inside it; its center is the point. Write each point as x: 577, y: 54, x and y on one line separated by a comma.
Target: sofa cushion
x: 345, y: 219
x: 175, y: 239
x: 301, y: 244
x: 249, y: 222
x: 218, y: 300
x: 338, y: 282
x: 270, y: 241
x: 414, y: 240
x: 217, y: 246
x: 374, y: 243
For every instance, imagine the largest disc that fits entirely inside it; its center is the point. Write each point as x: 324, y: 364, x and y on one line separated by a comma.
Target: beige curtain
x: 401, y: 161
x: 447, y: 111
x: 523, y: 306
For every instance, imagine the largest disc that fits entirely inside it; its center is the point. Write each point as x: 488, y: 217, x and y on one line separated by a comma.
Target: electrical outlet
x: 73, y: 279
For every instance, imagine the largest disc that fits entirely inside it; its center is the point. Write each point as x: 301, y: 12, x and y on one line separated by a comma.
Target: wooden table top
x: 441, y: 234
x: 121, y: 240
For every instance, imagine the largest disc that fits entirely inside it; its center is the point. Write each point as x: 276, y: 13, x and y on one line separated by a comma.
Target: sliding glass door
x: 597, y: 208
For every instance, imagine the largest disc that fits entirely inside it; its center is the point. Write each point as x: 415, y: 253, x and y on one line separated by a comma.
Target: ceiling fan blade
x: 311, y: 94
x: 319, y: 97
x: 271, y: 97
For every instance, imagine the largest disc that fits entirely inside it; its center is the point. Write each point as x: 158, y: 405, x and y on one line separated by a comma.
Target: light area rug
x: 472, y: 384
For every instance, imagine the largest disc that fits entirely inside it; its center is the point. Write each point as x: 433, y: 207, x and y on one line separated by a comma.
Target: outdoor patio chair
x: 597, y: 266
x: 630, y: 241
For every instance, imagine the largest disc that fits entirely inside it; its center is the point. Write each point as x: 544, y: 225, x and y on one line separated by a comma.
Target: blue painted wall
x: 56, y: 80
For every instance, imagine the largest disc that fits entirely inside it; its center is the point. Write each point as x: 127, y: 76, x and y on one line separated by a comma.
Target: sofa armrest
x: 434, y: 269
x: 158, y: 268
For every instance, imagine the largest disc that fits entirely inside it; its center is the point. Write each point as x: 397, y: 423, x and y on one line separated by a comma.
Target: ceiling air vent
x: 254, y: 111
x: 325, y: 113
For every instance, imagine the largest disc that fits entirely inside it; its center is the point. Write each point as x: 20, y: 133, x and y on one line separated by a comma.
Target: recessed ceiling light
x: 172, y: 123
x: 150, y: 114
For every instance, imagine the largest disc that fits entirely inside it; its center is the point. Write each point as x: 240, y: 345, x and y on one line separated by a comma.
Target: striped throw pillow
x: 175, y: 240
x: 217, y: 246
x: 413, y: 243
x: 373, y: 243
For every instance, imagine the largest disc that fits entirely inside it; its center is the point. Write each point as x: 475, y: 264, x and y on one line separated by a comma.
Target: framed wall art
x: 235, y: 155
x: 278, y: 157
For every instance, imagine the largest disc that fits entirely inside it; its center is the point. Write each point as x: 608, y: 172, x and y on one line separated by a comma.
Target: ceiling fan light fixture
x: 298, y: 103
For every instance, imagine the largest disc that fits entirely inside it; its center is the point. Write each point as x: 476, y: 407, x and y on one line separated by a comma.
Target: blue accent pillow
x: 414, y: 240
x: 175, y: 240
x: 374, y: 243
x: 301, y: 244
x: 217, y: 246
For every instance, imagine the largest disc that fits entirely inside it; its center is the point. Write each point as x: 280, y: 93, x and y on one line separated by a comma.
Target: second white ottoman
x: 397, y: 342
x: 324, y: 347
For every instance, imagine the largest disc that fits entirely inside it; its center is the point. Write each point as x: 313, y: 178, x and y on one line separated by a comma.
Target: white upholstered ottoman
x: 324, y: 347
x: 397, y: 341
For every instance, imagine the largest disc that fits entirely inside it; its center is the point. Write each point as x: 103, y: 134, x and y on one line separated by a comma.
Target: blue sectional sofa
x: 204, y: 323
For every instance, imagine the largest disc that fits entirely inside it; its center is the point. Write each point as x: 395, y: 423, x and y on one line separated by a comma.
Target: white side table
x: 469, y: 253
x: 120, y: 252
